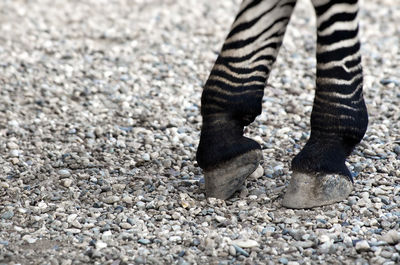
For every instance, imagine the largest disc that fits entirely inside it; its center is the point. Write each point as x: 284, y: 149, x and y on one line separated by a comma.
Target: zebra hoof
x: 313, y: 190
x: 224, y: 180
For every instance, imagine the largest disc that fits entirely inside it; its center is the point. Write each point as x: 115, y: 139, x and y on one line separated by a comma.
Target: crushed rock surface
x: 100, y: 119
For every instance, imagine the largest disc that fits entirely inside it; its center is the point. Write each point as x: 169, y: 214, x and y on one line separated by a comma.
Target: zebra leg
x: 233, y: 93
x: 339, y: 117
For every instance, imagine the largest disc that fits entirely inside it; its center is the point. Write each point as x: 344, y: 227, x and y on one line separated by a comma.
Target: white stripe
x: 340, y: 25
x: 343, y: 96
x: 336, y: 81
x: 233, y: 84
x: 225, y: 69
x: 319, y: 101
x: 257, y: 28
x: 253, y: 12
x: 337, y: 45
x: 336, y: 9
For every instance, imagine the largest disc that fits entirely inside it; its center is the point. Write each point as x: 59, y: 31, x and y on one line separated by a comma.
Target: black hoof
x: 223, y: 181
x: 312, y: 190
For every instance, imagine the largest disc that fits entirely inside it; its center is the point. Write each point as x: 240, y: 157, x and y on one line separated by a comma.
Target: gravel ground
x: 99, y: 123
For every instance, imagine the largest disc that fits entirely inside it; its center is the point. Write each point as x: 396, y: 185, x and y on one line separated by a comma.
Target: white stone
x: 111, y: 199
x: 220, y: 219
x: 245, y: 243
x: 73, y: 230
x: 29, y: 239
x: 4, y: 185
x: 64, y: 173
x: 42, y: 205
x: 67, y: 182
x: 324, y: 238
x: 347, y: 241
x: 175, y: 238
x: 257, y: 173
x: 232, y: 250
x: 125, y: 225
x: 146, y: 157
x: 13, y: 123
x: 391, y: 237
x: 12, y: 145
x: 107, y: 235
x: 14, y: 153
x: 326, y: 247
x: 127, y: 199
x: 18, y: 228
x: 100, y: 245
x: 71, y: 217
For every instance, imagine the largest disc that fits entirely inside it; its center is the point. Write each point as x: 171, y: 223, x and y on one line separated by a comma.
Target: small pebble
x: 257, y: 173
x: 100, y: 245
x: 362, y: 246
x: 144, y: 241
x: 245, y: 243
x: 67, y: 182
x: 64, y: 173
x: 283, y: 260
x: 29, y: 239
x: 14, y: 153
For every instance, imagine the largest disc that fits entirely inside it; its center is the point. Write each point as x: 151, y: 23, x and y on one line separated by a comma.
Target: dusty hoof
x: 312, y: 190
x: 222, y: 182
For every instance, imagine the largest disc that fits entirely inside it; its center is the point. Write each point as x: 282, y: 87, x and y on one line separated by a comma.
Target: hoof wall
x: 312, y: 190
x: 223, y: 181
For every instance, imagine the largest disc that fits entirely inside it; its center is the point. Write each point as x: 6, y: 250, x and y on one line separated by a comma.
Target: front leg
x: 232, y: 96
x: 339, y: 117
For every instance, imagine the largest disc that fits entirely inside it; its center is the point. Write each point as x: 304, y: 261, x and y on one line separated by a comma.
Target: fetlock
x: 221, y: 140
x: 323, y: 156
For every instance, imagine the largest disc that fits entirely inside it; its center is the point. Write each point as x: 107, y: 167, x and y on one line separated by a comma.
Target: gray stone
x: 362, y: 246
x: 7, y: 214
x: 144, y: 241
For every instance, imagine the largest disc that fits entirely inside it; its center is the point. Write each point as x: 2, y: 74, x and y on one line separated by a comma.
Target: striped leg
x: 339, y: 117
x: 232, y: 96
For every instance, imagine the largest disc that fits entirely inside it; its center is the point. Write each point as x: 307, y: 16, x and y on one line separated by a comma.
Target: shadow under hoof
x: 224, y: 180
x: 307, y: 190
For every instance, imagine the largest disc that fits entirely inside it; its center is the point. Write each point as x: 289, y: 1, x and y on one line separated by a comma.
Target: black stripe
x: 353, y: 63
x: 337, y: 54
x: 337, y: 72
x: 240, y: 70
x: 338, y: 17
x: 265, y: 57
x: 291, y: 4
x: 248, y: 102
x: 337, y: 35
x: 241, y: 43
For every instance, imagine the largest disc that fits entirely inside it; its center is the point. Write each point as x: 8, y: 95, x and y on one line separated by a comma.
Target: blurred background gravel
x: 99, y: 122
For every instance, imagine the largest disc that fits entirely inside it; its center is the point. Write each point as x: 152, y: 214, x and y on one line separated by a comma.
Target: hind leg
x: 339, y: 117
